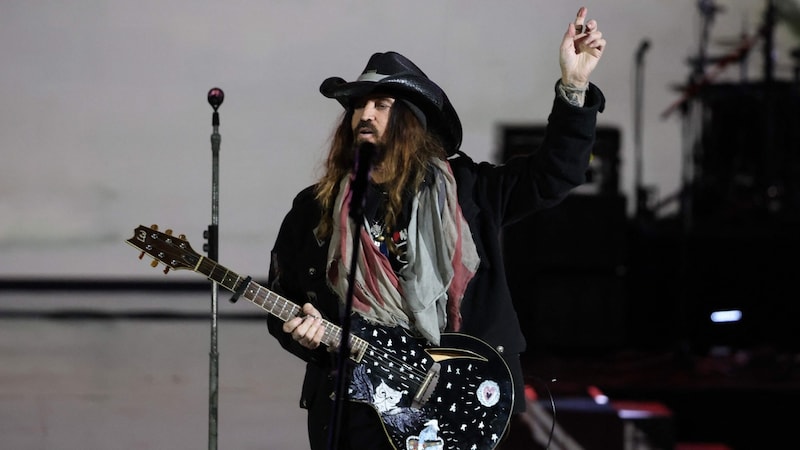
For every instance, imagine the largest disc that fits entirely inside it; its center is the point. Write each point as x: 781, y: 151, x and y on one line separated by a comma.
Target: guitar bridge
x: 428, y: 385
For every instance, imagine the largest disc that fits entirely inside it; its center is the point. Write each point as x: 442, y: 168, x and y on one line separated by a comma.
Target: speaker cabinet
x: 567, y: 273
x: 566, y: 265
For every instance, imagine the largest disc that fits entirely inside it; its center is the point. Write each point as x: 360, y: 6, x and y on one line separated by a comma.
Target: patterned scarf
x: 426, y: 294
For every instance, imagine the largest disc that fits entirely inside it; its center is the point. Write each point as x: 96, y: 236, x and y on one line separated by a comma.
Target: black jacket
x: 491, y: 196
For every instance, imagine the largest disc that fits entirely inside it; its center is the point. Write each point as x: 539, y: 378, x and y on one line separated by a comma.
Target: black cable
x: 552, y: 408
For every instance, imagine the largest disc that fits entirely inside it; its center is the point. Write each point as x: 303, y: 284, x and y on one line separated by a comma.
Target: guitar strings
x: 376, y: 354
x: 413, y: 374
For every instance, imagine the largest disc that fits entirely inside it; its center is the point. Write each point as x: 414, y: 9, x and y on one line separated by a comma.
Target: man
x: 428, y: 257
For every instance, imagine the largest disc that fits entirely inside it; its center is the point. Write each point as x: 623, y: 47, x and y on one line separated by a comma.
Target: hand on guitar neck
x: 308, y: 328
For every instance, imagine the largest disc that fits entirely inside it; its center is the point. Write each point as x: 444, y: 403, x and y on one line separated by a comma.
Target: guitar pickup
x: 427, y: 387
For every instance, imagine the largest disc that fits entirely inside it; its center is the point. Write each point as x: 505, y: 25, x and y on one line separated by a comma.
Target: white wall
x: 105, y: 125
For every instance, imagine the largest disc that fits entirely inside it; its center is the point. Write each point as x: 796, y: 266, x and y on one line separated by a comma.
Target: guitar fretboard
x: 274, y: 304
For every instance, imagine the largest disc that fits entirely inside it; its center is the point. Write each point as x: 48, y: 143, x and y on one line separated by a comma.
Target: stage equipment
x: 566, y: 265
x: 365, y: 157
x: 642, y: 207
x: 215, y: 98
x: 738, y: 159
x: 602, y: 178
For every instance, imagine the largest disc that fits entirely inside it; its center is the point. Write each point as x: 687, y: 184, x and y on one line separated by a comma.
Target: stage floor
x: 101, y: 370
x: 92, y: 371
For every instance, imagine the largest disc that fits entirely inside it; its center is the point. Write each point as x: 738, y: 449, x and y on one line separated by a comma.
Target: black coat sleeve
x: 297, y: 272
x: 510, y: 191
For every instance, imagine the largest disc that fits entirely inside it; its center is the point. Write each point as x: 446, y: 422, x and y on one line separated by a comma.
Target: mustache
x: 368, y: 125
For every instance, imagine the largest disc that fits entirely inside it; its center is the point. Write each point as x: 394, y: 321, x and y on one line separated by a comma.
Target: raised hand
x: 581, y: 49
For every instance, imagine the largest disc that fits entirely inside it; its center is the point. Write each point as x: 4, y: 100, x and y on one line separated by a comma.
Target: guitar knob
x: 154, y: 263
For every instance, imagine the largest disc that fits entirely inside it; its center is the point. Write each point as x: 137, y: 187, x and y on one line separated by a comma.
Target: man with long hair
x: 413, y: 255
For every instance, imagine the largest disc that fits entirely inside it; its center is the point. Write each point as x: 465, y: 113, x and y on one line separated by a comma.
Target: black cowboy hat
x: 393, y: 74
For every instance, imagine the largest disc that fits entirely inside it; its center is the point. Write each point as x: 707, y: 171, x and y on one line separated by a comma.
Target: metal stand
x: 364, y: 156
x: 215, y: 98
x: 642, y: 209
x: 774, y: 188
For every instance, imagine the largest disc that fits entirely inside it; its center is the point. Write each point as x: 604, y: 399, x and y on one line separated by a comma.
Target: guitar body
x: 454, y: 396
x: 468, y: 408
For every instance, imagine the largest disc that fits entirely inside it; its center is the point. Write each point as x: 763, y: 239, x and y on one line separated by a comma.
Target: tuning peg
x: 168, y: 232
x: 182, y: 237
x: 154, y: 227
x: 141, y: 255
x: 166, y: 269
x: 154, y: 263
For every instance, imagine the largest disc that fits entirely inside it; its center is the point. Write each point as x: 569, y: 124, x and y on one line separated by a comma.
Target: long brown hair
x: 405, y: 156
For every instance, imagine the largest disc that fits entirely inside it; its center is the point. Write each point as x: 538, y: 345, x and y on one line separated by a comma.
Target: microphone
x: 364, y: 156
x: 215, y: 97
x: 643, y: 46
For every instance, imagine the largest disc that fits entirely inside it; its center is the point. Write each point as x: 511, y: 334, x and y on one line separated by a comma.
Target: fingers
x: 592, y: 40
x: 581, y: 48
x: 586, y: 28
x: 579, y: 19
x: 581, y: 25
x: 587, y: 36
x: 594, y: 44
x: 308, y: 328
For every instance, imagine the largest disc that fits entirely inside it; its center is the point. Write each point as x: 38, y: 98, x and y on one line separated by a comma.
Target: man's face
x: 370, y: 118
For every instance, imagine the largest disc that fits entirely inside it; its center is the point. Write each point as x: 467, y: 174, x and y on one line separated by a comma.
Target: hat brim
x: 420, y: 91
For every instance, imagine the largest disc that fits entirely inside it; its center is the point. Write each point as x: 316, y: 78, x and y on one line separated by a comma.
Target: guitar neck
x: 271, y: 302
x: 176, y: 253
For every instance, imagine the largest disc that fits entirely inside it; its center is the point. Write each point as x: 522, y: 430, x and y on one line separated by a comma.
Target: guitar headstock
x: 173, y: 252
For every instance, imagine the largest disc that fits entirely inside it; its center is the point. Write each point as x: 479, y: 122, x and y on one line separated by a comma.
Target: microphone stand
x: 215, y: 98
x: 642, y: 210
x: 771, y: 160
x: 358, y: 189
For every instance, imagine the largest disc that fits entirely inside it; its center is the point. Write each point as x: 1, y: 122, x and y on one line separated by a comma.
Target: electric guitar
x: 456, y: 395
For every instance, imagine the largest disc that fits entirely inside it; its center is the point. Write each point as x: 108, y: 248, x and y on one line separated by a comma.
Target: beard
x: 366, y: 132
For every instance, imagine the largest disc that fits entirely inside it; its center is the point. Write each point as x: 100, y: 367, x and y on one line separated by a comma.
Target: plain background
x: 105, y: 125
